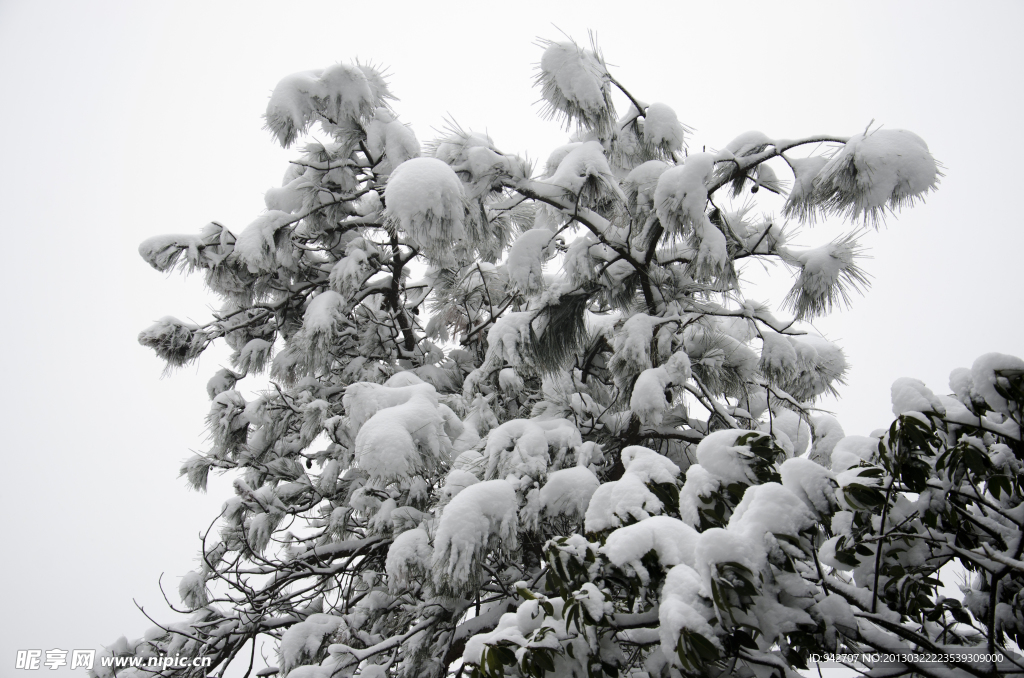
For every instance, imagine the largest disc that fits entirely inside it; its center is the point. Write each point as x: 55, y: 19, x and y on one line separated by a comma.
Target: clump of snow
x: 292, y: 105
x: 1003, y: 458
x: 720, y: 456
x: 481, y: 517
x: 812, y: 483
x: 192, y: 590
x: 682, y: 607
x: 672, y: 540
x: 302, y: 641
x: 745, y: 144
x: 223, y: 380
x: 792, y: 432
x: 339, y: 93
x: 765, y: 176
x: 226, y: 416
x: 456, y: 481
x: 712, y: 252
x: 594, y: 601
x: 648, y: 465
x: 838, y: 615
x: 827, y: 275
x: 632, y: 347
x: 911, y: 395
x: 457, y: 145
x: 875, y: 170
x: 425, y: 200
x: 984, y: 378
x: 556, y: 157
x: 388, y: 137
x: 345, y: 92
x: 573, y: 81
x: 478, y: 421
x: 820, y: 364
x: 961, y: 383
x: 585, y: 169
x: 648, y: 400
x: 517, y: 447
x: 662, y: 128
x: 291, y: 197
x: 699, y: 484
x: 526, y: 257
x: 770, y: 508
x: 402, y: 379
x: 682, y: 194
x: 800, y: 201
x: 348, y: 274
x: 470, y: 460
x: 529, y: 616
x: 717, y: 351
x: 322, y: 313
x: 400, y: 441
x: 205, y: 250
x: 778, y: 356
x: 509, y: 335
x: 172, y: 340
x: 619, y: 501
x: 851, y: 451
x: 641, y: 183
x: 589, y: 455
x: 568, y: 492
x: 562, y: 436
x: 507, y: 629
x: 826, y: 433
x: 509, y: 381
x: 629, y: 498
x: 484, y: 165
x: 368, y: 204
x: 717, y: 546
x: 408, y: 558
x: 257, y: 247
x: 363, y: 399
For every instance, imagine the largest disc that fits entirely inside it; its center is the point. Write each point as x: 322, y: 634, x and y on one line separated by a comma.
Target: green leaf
x: 503, y: 654
x: 667, y: 494
x: 543, y: 659
x: 704, y: 647
x: 492, y: 663
x: 999, y: 484
x: 744, y: 639
x: 960, y: 615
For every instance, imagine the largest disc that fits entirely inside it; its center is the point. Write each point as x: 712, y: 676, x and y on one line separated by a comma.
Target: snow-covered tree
x: 490, y: 420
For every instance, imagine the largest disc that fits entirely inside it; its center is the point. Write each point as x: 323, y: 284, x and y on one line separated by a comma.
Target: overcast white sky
x: 126, y: 120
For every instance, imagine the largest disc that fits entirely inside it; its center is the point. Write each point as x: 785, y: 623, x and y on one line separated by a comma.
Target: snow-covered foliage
x: 487, y: 422
x: 425, y: 200
x: 575, y: 84
x: 481, y: 518
x: 337, y: 96
x: 873, y: 171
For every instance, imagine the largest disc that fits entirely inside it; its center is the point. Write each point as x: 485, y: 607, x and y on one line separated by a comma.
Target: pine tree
x: 509, y: 421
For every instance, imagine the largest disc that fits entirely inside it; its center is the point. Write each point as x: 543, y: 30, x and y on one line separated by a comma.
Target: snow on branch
x: 537, y: 425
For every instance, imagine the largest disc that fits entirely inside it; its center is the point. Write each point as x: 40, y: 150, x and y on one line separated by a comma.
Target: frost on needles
x: 484, y: 419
